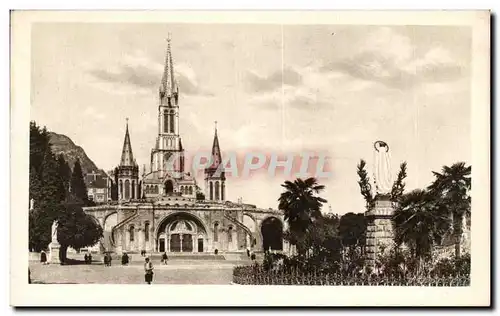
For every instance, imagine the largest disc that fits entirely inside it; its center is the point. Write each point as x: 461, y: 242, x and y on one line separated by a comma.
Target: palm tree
x: 419, y: 223
x: 301, y: 206
x: 451, y: 188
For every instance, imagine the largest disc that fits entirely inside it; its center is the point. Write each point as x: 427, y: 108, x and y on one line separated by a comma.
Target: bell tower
x: 128, y: 172
x: 168, y: 141
x: 215, y: 178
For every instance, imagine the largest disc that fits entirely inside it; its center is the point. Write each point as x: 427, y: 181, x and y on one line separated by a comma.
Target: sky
x: 332, y: 89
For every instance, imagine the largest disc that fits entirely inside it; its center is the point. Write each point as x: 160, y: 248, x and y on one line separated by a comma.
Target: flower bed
x: 255, y: 275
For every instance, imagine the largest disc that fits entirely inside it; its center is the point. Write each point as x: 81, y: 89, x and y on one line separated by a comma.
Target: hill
x: 62, y: 144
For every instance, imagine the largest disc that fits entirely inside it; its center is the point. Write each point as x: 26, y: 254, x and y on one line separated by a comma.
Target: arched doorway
x: 181, y: 232
x: 169, y: 187
x: 272, y: 234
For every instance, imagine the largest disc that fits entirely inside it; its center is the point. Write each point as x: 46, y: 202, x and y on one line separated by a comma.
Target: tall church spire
x: 127, y: 155
x: 168, y: 85
x: 215, y: 178
x: 216, y: 156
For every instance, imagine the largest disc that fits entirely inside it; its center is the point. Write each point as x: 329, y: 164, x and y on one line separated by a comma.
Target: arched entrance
x: 169, y: 187
x: 181, y: 232
x: 272, y: 234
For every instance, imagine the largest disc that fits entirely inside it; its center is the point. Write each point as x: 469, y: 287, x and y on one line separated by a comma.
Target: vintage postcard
x: 340, y: 155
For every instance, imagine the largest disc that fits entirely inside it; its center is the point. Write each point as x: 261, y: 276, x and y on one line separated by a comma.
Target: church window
x: 190, y: 190
x: 165, y: 122
x: 172, y: 122
x: 216, y: 232
x: 222, y: 191
x: 127, y: 189
x: 146, y: 231
x: 230, y: 234
x: 133, y: 189
x: 131, y: 232
x: 121, y: 189
x: 211, y: 191
x: 216, y: 190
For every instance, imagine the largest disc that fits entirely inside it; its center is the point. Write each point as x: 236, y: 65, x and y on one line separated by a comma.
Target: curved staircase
x: 111, y: 236
x: 239, y: 224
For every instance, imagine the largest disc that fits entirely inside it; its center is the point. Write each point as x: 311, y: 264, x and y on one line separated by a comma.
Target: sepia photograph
x: 251, y: 151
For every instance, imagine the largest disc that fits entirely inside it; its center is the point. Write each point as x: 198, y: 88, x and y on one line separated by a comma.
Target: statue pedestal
x: 54, y: 248
x: 379, y: 232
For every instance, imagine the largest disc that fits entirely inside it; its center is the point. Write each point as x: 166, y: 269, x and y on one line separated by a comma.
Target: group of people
x: 88, y: 258
x: 107, y: 259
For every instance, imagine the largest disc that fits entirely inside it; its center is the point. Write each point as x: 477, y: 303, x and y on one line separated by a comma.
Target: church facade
x: 164, y: 210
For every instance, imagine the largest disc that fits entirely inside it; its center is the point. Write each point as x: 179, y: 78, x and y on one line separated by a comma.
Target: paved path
x: 209, y: 273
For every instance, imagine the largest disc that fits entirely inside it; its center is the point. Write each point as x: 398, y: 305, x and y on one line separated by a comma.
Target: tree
x: 53, y: 193
x: 398, y: 187
x: 451, y: 189
x: 35, y: 186
x: 323, y: 243
x: 352, y: 230
x: 419, y: 223
x: 49, y: 204
x: 39, y: 145
x: 39, y: 223
x: 365, y: 186
x: 301, y: 207
x: 78, y: 187
x: 77, y: 229
x: 64, y: 171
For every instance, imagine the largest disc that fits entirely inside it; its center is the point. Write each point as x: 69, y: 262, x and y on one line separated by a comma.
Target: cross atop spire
x: 127, y: 155
x: 215, y: 127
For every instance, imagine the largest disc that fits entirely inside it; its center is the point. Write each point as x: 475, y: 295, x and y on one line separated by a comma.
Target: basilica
x: 164, y: 210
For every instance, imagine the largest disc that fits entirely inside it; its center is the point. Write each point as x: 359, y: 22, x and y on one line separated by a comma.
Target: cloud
x: 143, y: 75
x: 257, y: 83
x: 93, y: 113
x: 191, y: 46
x: 390, y: 58
x: 289, y: 96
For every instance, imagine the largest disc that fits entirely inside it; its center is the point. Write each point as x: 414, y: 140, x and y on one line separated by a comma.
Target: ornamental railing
x: 252, y: 275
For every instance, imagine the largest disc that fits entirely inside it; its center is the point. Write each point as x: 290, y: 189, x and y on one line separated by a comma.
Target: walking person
x: 43, y: 257
x: 90, y: 258
x: 148, y: 269
x: 164, y: 258
x: 124, y: 259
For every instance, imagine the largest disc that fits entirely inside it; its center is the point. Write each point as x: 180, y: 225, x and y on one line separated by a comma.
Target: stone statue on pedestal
x: 379, y: 236
x: 54, y: 246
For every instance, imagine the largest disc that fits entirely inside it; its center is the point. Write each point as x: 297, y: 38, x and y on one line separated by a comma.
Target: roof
x: 127, y: 158
x: 168, y: 85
